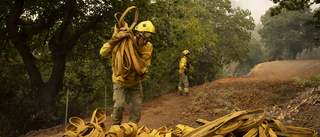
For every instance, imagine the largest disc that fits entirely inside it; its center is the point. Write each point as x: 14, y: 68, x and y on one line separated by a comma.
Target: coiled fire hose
x: 125, y: 53
x: 235, y: 124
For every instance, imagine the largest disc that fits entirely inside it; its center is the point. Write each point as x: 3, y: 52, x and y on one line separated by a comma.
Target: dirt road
x: 268, y: 86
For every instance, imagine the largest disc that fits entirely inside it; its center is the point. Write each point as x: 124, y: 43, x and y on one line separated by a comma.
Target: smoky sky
x: 257, y: 7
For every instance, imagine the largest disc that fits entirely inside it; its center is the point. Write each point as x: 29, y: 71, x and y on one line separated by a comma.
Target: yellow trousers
x: 183, y: 82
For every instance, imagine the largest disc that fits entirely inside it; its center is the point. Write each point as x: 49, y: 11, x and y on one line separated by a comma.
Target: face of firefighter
x: 141, y: 40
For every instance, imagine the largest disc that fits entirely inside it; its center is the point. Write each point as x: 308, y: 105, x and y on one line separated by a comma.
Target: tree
x: 214, y: 33
x: 256, y: 56
x: 294, y: 5
x: 59, y: 25
x: 286, y: 35
x: 232, y: 27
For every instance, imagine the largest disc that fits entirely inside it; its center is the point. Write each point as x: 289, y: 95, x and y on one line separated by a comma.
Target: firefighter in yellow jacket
x: 183, y: 69
x: 130, y: 88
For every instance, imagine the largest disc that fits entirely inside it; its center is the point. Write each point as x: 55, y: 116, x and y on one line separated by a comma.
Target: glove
x: 122, y: 33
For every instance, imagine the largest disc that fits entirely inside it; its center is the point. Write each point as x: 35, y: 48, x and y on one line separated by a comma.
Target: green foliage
x: 256, y: 55
x: 296, y: 5
x: 214, y: 33
x: 16, y: 96
x: 311, y: 81
x: 286, y: 35
x: 315, y: 53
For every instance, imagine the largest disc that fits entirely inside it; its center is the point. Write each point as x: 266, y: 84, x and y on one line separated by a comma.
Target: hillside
x: 268, y: 86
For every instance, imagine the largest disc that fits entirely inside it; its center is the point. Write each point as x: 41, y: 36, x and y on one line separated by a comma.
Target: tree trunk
x: 49, y: 90
x: 46, y: 92
x: 62, y: 41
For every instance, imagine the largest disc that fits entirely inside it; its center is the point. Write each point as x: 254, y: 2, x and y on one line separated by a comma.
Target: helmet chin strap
x: 138, y: 38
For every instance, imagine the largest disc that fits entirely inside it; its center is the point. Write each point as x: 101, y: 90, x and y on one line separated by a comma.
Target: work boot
x: 187, y: 94
x: 180, y: 93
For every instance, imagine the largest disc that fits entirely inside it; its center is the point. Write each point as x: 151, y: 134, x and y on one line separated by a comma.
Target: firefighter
x: 183, y: 70
x: 129, y: 89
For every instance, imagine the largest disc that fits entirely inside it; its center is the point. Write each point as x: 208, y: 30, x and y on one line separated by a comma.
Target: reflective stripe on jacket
x: 183, y: 64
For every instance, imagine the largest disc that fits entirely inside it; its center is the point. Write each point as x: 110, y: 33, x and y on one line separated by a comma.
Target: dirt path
x: 262, y: 88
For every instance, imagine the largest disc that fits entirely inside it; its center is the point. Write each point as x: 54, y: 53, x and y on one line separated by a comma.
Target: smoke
x: 257, y: 7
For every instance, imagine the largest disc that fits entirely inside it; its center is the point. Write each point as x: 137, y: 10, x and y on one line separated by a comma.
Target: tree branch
x: 19, y: 41
x: 82, y: 30
x: 39, y: 27
x: 12, y: 19
x: 58, y: 40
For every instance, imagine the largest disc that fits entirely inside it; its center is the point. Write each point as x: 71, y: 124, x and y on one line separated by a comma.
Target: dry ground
x: 268, y: 86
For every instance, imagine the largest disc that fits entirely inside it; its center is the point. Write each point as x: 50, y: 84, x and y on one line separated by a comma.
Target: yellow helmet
x: 186, y: 52
x: 146, y: 29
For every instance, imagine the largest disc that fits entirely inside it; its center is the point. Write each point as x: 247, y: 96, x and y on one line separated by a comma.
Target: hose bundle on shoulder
x: 125, y: 55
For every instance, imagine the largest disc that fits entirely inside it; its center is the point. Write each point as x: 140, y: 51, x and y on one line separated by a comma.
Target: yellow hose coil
x: 94, y: 128
x: 235, y: 124
x: 125, y: 54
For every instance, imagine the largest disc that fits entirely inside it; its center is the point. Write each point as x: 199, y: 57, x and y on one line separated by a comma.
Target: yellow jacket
x: 183, y: 64
x: 133, y: 77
